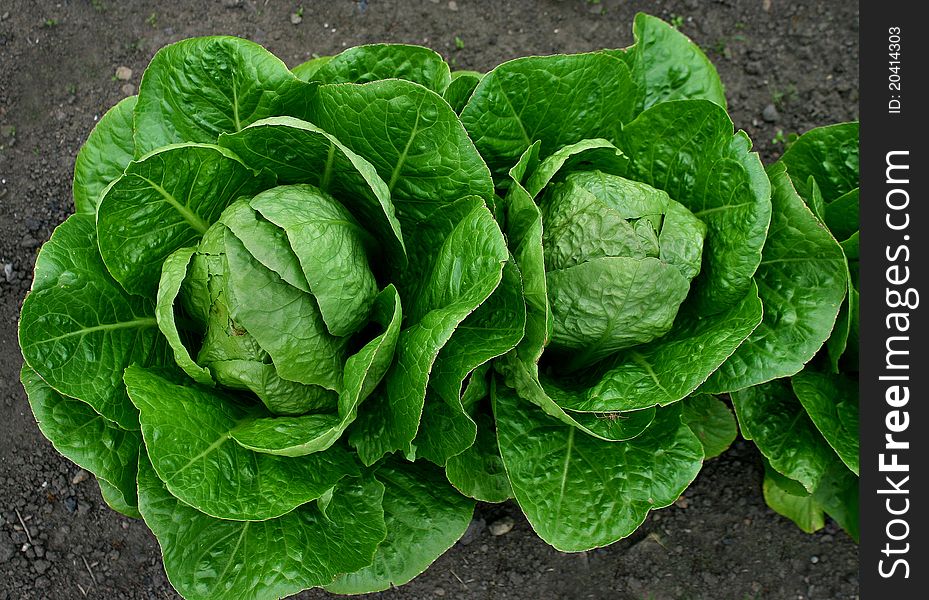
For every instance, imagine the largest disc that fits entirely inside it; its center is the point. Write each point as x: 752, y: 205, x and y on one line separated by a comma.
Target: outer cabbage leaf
x: 666, y: 65
x: 579, y: 492
x: 187, y: 429
x: 91, y: 441
x: 424, y: 516
x: 104, y: 156
x: 511, y: 108
x: 832, y: 403
x: 167, y: 200
x: 771, y: 416
x: 371, y: 62
x: 828, y: 155
x: 802, y: 281
x: 196, y: 89
x: 79, y: 329
x: 304, y: 548
x: 711, y: 421
x: 420, y: 148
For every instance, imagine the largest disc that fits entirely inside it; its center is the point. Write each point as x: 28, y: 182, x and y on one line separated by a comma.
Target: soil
x: 787, y: 66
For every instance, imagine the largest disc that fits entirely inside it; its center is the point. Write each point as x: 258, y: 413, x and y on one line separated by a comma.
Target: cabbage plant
x: 659, y: 272
x: 260, y: 269
x: 806, y: 426
x: 301, y: 320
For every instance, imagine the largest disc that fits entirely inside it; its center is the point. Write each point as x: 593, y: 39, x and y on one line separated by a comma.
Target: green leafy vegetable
x: 303, y: 319
x: 807, y: 426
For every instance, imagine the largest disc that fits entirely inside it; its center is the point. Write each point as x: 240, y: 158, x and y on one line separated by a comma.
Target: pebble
x: 814, y: 559
x: 127, y: 89
x: 770, y: 114
x: 452, y: 5
x: 8, y: 272
x: 502, y: 526
x: 440, y: 592
x: 295, y: 18
x: 80, y: 477
x: 70, y: 504
x: 123, y: 73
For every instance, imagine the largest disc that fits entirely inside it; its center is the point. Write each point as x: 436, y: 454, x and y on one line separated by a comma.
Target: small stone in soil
x: 295, y: 18
x: 123, y: 73
x: 79, y: 477
x: 127, y: 89
x: 770, y: 114
x: 502, y: 526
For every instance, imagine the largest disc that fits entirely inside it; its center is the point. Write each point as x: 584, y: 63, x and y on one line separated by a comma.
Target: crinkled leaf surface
x: 771, y: 416
x: 370, y: 62
x: 285, y: 321
x: 196, y: 89
x: 79, y: 329
x: 104, y: 156
x: 425, y: 516
x: 827, y: 154
x: 579, y: 492
x: 330, y: 245
x: 83, y: 436
x: 208, y: 558
x: 187, y: 428
x: 802, y: 281
x: 832, y: 403
x: 296, y: 436
x: 419, y: 147
x: 166, y: 200
x: 711, y: 421
x: 674, y: 365
x: 494, y: 328
x: 457, y: 259
x: 557, y: 100
x: 702, y: 165
x: 299, y: 152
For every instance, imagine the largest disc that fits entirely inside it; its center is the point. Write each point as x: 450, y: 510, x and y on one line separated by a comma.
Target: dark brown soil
x: 787, y: 66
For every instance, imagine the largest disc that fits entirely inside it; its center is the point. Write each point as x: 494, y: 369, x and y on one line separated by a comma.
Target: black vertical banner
x: 894, y: 262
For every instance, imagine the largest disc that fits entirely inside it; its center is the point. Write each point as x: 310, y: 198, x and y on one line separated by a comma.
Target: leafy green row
x: 303, y: 319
